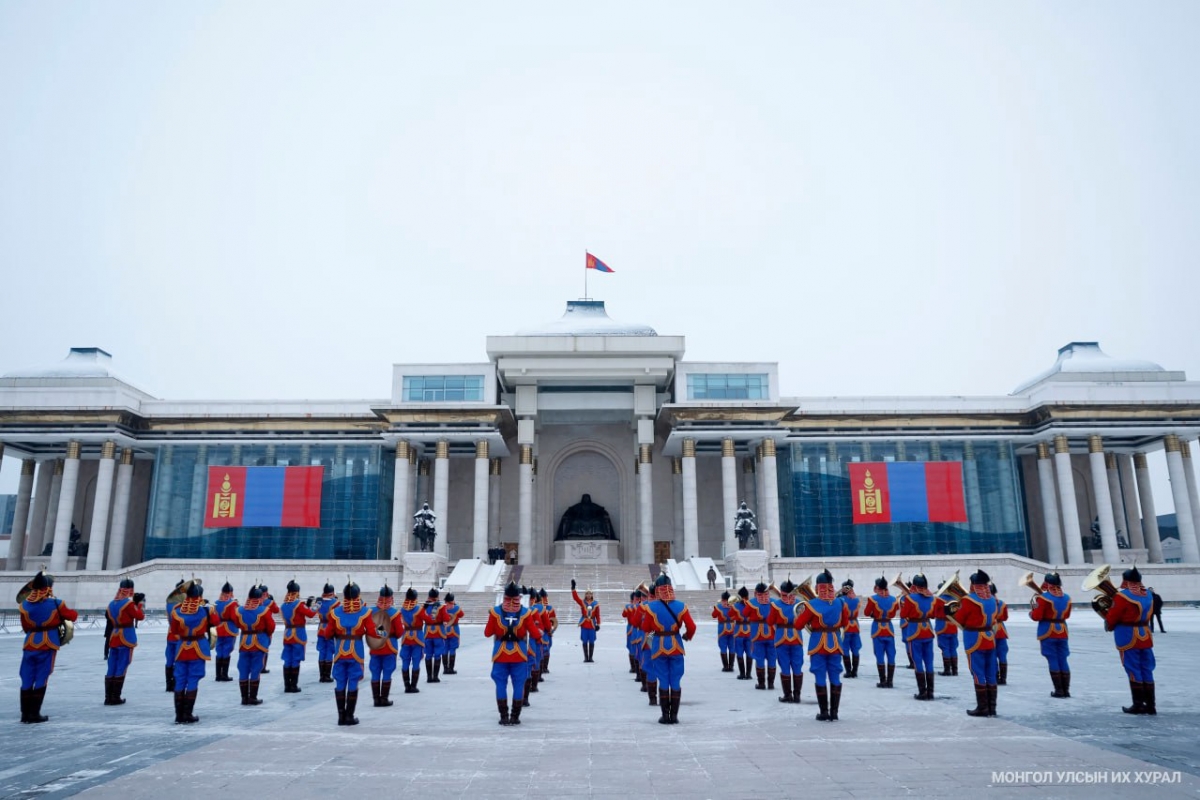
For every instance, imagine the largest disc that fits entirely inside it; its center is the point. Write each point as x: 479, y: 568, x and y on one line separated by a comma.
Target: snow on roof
x: 81, y: 362
x: 587, y: 318
x: 1084, y: 360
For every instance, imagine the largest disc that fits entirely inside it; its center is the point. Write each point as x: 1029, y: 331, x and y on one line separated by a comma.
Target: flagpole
x: 585, y: 255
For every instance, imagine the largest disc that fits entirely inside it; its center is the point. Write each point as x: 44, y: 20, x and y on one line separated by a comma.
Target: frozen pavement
x: 590, y: 733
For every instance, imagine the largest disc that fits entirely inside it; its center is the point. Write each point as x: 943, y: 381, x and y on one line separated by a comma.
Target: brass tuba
x: 806, y: 592
x: 1098, y: 579
x: 955, y: 589
x: 900, y: 584
x: 1028, y: 582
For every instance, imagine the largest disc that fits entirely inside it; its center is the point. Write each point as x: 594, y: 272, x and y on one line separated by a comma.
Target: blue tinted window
x: 443, y: 388
x: 732, y: 386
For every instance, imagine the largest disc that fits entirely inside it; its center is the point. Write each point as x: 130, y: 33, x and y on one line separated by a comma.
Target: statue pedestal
x: 748, y: 567
x: 424, y: 569
x: 587, y: 551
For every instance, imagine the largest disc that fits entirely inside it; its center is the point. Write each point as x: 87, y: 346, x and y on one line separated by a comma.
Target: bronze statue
x: 585, y: 520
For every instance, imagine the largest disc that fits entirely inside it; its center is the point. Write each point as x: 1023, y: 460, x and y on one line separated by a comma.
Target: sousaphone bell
x: 1098, y: 579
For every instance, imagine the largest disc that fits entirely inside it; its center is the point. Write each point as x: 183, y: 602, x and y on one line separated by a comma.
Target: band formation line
x: 763, y: 635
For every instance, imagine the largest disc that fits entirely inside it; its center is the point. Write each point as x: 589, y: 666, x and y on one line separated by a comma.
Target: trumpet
x: 899, y: 584
x: 955, y: 589
x: 1098, y: 579
x: 1028, y: 582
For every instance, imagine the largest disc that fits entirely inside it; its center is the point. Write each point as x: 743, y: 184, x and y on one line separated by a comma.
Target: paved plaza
x: 589, y: 732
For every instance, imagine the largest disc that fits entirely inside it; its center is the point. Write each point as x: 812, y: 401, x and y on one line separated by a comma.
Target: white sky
x: 281, y: 200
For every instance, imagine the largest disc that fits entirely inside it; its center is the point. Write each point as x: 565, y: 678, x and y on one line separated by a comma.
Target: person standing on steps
x: 589, y: 620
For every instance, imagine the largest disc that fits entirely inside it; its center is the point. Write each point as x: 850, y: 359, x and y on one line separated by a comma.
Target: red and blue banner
x: 597, y: 264
x: 907, y: 491
x: 263, y: 497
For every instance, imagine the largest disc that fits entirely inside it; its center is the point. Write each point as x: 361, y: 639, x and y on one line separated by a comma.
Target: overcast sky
x: 281, y: 200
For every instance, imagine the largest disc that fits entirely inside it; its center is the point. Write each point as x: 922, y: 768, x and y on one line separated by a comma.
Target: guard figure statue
x: 424, y: 528
x: 744, y: 528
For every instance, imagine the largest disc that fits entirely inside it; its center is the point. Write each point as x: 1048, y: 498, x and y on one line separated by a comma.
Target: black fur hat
x: 293, y: 586
x: 1132, y: 575
x: 126, y: 583
x: 1052, y: 579
x: 980, y: 577
x: 411, y: 594
x: 512, y: 590
x: 351, y: 591
x: 919, y: 581
x: 385, y: 591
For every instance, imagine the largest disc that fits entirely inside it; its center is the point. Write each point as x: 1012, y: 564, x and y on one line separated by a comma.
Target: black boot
x: 797, y: 685
x: 351, y: 704
x: 928, y: 685
x: 633, y: 665
x: 823, y: 704
x: 770, y: 677
x: 410, y: 681
x: 108, y: 692
x: 525, y: 700
x: 854, y: 664
x: 25, y: 705
x: 741, y: 665
x: 385, y: 690
x: 170, y: 679
x: 954, y: 666
x: 180, y: 713
x: 245, y: 687
x: 339, y: 697
x: 1066, y: 683
x: 189, y: 705
x: 326, y: 668
x: 502, y: 706
x: 1148, y: 702
x: 835, y: 699
x: 921, y: 691
x: 992, y: 692
x: 375, y: 693
x: 545, y: 664
x: 652, y: 692
x: 36, y: 698
x: 761, y: 674
x: 675, y: 707
x: 981, y: 702
x: 437, y: 670
x: 515, y: 718
x: 891, y: 675
x: 1002, y: 674
x: 786, y: 682
x: 535, y: 677
x: 882, y: 676
x: 223, y: 671
x: 846, y: 666
x: 1056, y: 679
x: 945, y: 673
x: 429, y: 670
x: 118, y: 685
x: 1135, y: 689
x: 665, y: 705
x: 254, y: 701
x: 642, y: 679
x: 450, y: 670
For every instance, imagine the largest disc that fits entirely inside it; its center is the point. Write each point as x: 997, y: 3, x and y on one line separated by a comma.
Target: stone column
x: 525, y: 506
x: 1118, y: 499
x: 1129, y: 499
x: 494, y: 502
x: 729, y: 497
x: 400, y: 502
x: 16, y: 545
x: 1189, y: 474
x: 120, y: 517
x: 1066, y: 500
x: 36, y: 529
x: 1183, y: 504
x: 1149, y: 514
x: 691, y: 529
x: 760, y: 493
x: 646, y: 504
x: 677, y: 528
x: 441, y: 497
x: 1104, y: 504
x: 66, y: 508
x: 773, y: 536
x: 52, y: 508
x: 480, y: 517
x: 413, y: 474
x: 1054, y: 539
x: 98, y: 534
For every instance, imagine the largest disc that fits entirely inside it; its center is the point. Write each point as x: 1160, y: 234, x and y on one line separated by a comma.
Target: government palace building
x: 504, y: 450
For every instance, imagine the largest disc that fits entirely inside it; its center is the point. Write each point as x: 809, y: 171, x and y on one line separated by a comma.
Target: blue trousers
x: 764, y: 654
x: 225, y: 646
x: 36, y: 666
x: 825, y: 666
x: 644, y: 662
x: 118, y: 661
x: 250, y: 664
x: 188, y: 675
x: 382, y: 667
x: 948, y: 644
x: 1002, y: 651
x: 452, y: 644
x: 505, y: 672
x: 1139, y: 664
x: 632, y: 646
x: 885, y: 649
x: 983, y: 667
x: 669, y: 671
x: 435, y: 648
x: 790, y: 658
x: 587, y: 635
x: 346, y: 674
x: 851, y: 643
x: 922, y: 654
x: 410, y: 657
x: 741, y: 645
x: 293, y: 654
x: 172, y: 649
x: 1055, y: 652
x: 725, y: 643
x: 325, y: 648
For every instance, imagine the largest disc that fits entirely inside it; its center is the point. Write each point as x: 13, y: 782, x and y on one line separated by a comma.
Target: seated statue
x: 585, y: 520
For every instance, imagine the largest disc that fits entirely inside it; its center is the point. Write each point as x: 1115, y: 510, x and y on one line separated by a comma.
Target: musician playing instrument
x: 256, y: 624
x: 227, y: 634
x: 946, y: 631
x: 726, y: 617
x: 508, y: 625
x: 1129, y: 618
x: 742, y: 646
x: 435, y: 641
x: 452, y: 613
x: 123, y: 614
x: 589, y: 620
x: 976, y: 615
x: 789, y: 642
x: 763, y: 636
x: 325, y: 645
x: 548, y: 630
x: 272, y: 609
x: 1001, y: 638
x: 348, y: 623
x: 647, y: 676
x: 1050, y: 609
x: 851, y: 638
x: 295, y: 612
x: 920, y: 608
x: 412, y: 646
x: 41, y: 615
x: 384, y: 649
x: 668, y: 624
x: 882, y: 608
x: 192, y: 621
x: 535, y: 647
x: 173, y: 599
x: 825, y: 616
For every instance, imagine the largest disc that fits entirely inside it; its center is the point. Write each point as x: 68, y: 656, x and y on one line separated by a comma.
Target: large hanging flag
x: 907, y: 491
x: 597, y: 264
x: 263, y: 497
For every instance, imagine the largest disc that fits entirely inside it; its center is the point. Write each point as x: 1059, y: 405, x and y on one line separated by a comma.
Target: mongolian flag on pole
x: 263, y: 497
x: 597, y: 264
x: 907, y: 491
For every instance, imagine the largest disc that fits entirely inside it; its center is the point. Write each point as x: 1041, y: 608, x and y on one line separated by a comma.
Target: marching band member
x: 435, y: 642
x: 536, y: 649
x: 412, y: 646
x: 1050, y: 610
x: 589, y: 622
x: 226, y: 634
x: 390, y: 625
x: 789, y: 643
x: 919, y: 607
x: 882, y: 609
x: 41, y: 614
x: 191, y: 621
x: 742, y: 646
x: 1001, y: 638
x: 763, y: 637
x: 662, y: 620
x: 348, y: 623
x: 1129, y: 618
x: 256, y: 623
x: 172, y: 642
x: 325, y: 645
x: 851, y: 640
x: 976, y: 615
x: 825, y: 615
x: 946, y: 631
x: 508, y: 625
x: 452, y: 613
x: 725, y: 616
x: 548, y: 629
x: 123, y: 613
x: 626, y: 614
x: 295, y: 635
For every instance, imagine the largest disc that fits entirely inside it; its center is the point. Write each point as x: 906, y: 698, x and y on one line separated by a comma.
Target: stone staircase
x: 600, y: 578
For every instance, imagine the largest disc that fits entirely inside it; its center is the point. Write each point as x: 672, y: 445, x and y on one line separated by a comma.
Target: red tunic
x: 527, y: 625
x: 394, y: 630
x: 299, y: 615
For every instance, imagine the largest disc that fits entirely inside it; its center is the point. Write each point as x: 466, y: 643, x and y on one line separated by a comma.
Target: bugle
x: 1028, y: 582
